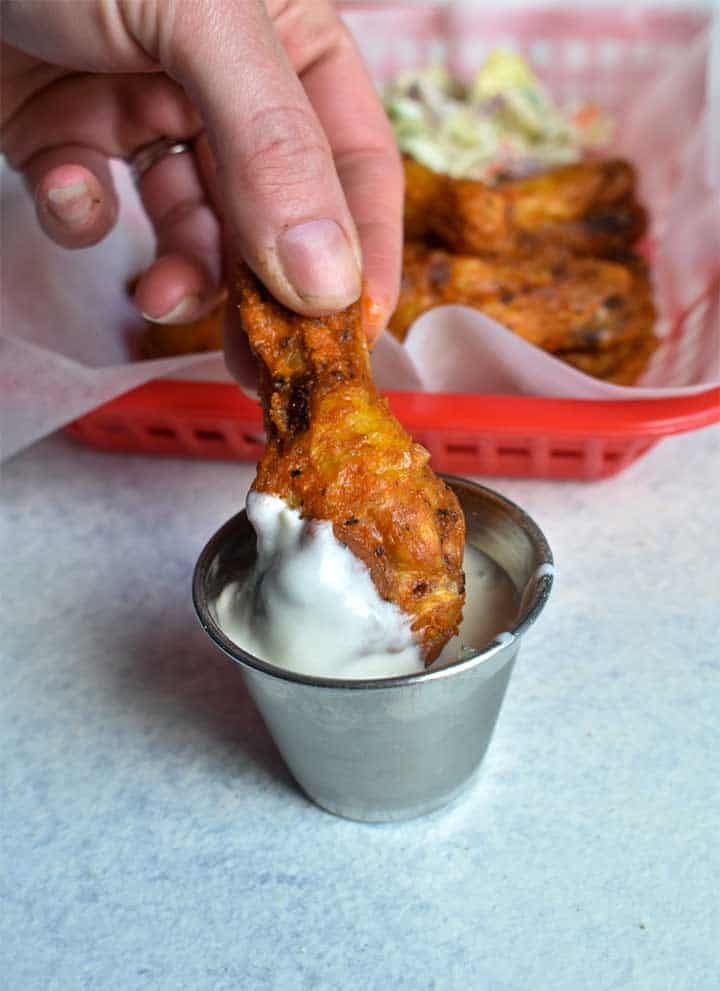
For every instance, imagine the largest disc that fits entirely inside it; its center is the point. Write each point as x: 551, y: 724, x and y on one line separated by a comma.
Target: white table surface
x: 154, y: 840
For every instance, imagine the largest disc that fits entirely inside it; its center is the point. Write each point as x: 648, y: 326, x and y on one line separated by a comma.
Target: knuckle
x: 379, y: 162
x: 339, y: 36
x: 188, y: 225
x: 307, y: 30
x: 180, y: 212
x: 375, y: 173
x: 158, y: 105
x: 288, y: 149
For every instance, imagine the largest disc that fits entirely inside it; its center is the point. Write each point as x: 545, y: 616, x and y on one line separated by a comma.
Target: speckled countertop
x: 153, y: 839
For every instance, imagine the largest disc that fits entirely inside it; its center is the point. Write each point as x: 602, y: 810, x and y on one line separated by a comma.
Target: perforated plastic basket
x: 578, y: 55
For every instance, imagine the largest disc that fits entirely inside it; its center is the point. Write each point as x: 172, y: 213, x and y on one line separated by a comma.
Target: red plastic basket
x: 469, y: 434
x: 466, y: 435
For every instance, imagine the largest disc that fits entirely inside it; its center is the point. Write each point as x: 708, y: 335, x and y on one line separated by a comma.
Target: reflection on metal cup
x: 390, y: 748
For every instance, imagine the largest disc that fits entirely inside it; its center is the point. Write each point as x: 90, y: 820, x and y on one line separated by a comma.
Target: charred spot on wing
x: 591, y: 336
x: 438, y: 273
x: 298, y: 405
x: 614, y: 302
x: 611, y: 222
x: 447, y: 518
x: 623, y: 257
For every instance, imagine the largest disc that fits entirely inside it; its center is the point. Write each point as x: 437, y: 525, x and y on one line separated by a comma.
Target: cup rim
x: 543, y: 584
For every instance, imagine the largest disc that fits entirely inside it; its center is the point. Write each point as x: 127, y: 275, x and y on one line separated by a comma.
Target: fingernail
x: 374, y: 318
x: 319, y: 263
x: 70, y: 204
x: 182, y: 313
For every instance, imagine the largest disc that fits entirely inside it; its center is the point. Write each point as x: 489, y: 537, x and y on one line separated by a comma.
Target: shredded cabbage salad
x: 505, y: 124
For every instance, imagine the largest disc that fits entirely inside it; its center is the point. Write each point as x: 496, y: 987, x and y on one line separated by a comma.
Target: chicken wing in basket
x: 587, y: 208
x: 575, y: 305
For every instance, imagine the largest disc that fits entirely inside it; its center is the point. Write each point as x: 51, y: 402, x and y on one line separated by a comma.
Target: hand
x: 291, y: 146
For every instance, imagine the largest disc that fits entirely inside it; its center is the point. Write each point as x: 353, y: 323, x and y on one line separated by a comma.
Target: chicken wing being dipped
x: 336, y: 453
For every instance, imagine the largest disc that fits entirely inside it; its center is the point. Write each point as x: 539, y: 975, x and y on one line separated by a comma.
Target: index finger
x: 364, y: 149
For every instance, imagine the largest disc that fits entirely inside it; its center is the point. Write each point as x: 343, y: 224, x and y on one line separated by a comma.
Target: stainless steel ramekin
x: 390, y: 748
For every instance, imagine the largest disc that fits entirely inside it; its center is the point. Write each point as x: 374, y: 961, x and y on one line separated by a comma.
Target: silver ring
x: 147, y: 156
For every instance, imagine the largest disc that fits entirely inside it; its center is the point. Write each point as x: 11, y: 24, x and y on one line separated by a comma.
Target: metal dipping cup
x: 389, y: 748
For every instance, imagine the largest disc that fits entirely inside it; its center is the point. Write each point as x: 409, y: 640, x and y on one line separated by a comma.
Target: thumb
x: 278, y: 187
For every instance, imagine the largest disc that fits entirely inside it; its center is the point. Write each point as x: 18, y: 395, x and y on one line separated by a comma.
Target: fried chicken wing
x: 621, y: 364
x: 592, y: 304
x: 431, y: 277
x: 423, y: 188
x: 588, y: 208
x: 335, y: 452
x: 547, y: 256
x: 576, y: 305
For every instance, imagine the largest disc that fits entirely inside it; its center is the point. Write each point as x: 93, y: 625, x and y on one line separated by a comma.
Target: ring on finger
x: 149, y: 155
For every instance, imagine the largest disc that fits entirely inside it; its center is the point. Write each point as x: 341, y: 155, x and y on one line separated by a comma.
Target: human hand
x: 290, y: 144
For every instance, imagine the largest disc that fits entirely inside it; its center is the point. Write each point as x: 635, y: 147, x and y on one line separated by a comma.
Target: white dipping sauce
x: 310, y: 606
x: 491, y: 606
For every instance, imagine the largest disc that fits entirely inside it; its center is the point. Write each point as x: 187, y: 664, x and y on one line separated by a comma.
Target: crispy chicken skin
x: 336, y: 452
x: 423, y: 187
x: 620, y: 365
x: 586, y: 209
x: 578, y: 304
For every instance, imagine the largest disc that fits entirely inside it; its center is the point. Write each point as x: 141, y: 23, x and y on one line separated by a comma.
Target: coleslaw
x: 505, y: 124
